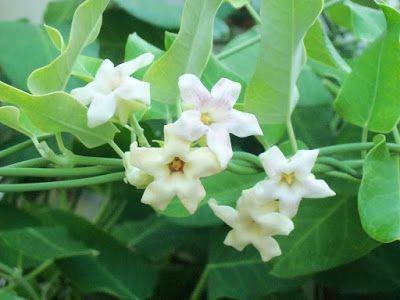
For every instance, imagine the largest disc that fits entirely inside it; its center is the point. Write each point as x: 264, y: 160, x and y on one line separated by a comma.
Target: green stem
x: 139, y: 132
x: 73, y: 183
x: 340, y: 166
x: 34, y: 162
x: 291, y: 135
x: 43, y: 172
x: 396, y: 135
x: 93, y: 160
x: 39, y: 270
x: 253, y: 12
x: 364, y: 139
x: 228, y: 52
x: 61, y: 145
x: 243, y: 170
x: 201, y: 284
x: 251, y: 158
x: 342, y: 175
x: 117, y: 149
x: 15, y: 148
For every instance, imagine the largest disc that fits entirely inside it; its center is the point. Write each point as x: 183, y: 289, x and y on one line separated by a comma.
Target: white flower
x: 176, y: 169
x: 290, y: 180
x: 254, y: 222
x: 213, y: 115
x: 114, y: 92
x: 133, y: 175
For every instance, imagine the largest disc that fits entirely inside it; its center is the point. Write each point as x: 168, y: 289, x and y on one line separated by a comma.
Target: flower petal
x: 303, y: 161
x: 190, y: 192
x: 133, y: 89
x: 149, y: 160
x: 242, y: 124
x: 218, y: 140
x: 288, y: 202
x: 85, y: 94
x: 226, y: 91
x: 316, y: 188
x: 201, y: 162
x: 105, y: 72
x: 226, y: 213
x: 189, y: 126
x: 130, y: 67
x: 268, y: 248
x: 158, y: 194
x: 234, y: 241
x: 101, y: 109
x: 264, y: 190
x: 192, y: 90
x: 174, y: 146
x: 275, y: 223
x: 273, y: 161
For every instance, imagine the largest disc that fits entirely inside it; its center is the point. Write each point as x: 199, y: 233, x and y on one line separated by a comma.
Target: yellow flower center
x: 206, y: 119
x: 288, y: 178
x: 176, y: 165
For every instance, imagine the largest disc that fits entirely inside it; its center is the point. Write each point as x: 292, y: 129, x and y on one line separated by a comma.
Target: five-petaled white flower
x: 254, y: 222
x: 291, y: 179
x: 114, y: 92
x: 213, y: 115
x: 176, y: 169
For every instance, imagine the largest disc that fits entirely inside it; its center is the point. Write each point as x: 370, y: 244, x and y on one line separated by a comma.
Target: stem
x: 291, y: 135
x: 233, y: 50
x: 39, y: 269
x: 60, y: 144
x: 251, y: 158
x: 139, y: 132
x: 396, y: 135
x: 340, y: 166
x: 364, y: 139
x: 198, y: 290
x: 73, y: 183
x: 93, y: 160
x: 43, y: 172
x: 342, y: 175
x: 243, y: 170
x: 34, y: 162
x: 117, y: 149
x: 15, y: 148
x: 253, y: 12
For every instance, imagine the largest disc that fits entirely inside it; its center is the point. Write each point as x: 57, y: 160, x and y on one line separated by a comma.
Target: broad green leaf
x: 188, y: 54
x: 369, y: 95
x: 56, y: 37
x: 86, y: 68
x: 272, y: 92
x: 11, y: 117
x: 58, y: 112
x: 44, y: 243
x: 374, y: 273
x: 9, y: 295
x: 162, y: 13
x: 320, y: 48
x: 241, y: 275
x: 60, y: 11
x: 216, y: 188
x: 364, y: 22
x: 379, y: 195
x: 116, y: 271
x: 14, y: 60
x: 238, y: 3
x: 84, y: 30
x: 327, y: 234
x: 13, y: 218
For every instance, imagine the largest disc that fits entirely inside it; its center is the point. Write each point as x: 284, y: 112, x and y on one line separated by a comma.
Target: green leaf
x: 375, y: 273
x: 11, y: 117
x: 60, y: 11
x: 327, y: 234
x: 241, y: 275
x: 369, y: 96
x: 12, y: 218
x: 162, y: 13
x: 14, y: 61
x: 84, y: 30
x: 56, y: 37
x: 379, y: 195
x: 44, y: 243
x: 86, y: 68
x: 188, y: 54
x: 9, y: 295
x: 320, y: 48
x: 116, y: 271
x: 238, y: 3
x: 58, y: 112
x: 216, y: 188
x: 272, y: 93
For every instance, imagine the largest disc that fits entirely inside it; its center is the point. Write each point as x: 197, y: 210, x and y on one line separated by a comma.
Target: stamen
x: 288, y: 178
x: 176, y: 165
x: 206, y: 119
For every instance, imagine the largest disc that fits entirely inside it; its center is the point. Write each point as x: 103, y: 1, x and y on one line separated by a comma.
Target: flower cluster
x: 175, y: 169
x: 267, y: 208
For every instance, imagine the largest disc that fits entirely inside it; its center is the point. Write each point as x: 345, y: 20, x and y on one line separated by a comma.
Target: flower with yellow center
x: 254, y: 222
x: 176, y: 169
x: 212, y: 115
x: 114, y: 92
x: 290, y: 180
